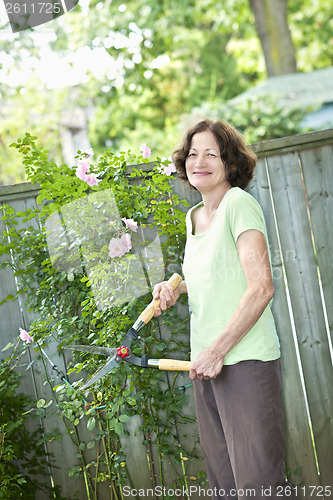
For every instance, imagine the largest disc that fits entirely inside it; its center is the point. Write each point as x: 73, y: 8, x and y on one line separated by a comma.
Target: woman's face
x: 204, y: 167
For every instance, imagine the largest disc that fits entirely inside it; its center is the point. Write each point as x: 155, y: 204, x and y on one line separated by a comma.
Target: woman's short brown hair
x: 240, y: 161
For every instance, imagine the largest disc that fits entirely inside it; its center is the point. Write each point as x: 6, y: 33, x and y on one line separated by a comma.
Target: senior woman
x: 235, y: 350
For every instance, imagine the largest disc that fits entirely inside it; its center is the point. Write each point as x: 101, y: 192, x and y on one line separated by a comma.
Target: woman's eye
x: 191, y: 154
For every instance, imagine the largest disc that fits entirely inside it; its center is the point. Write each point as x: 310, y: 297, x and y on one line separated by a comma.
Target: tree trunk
x: 273, y: 30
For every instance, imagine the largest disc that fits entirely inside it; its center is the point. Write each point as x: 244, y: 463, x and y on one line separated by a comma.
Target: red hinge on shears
x: 123, y: 351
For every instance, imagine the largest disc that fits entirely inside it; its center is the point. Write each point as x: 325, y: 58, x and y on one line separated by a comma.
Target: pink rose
x: 131, y: 224
x: 92, y: 180
x: 82, y: 170
x: 116, y: 248
x: 119, y: 246
x: 88, y: 153
x: 126, y: 241
x: 168, y: 169
x: 146, y: 151
x: 24, y: 335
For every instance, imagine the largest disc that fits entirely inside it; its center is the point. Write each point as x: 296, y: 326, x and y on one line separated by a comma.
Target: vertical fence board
x: 136, y: 455
x: 10, y: 313
x: 291, y: 210
x: 299, y: 451
x: 317, y: 167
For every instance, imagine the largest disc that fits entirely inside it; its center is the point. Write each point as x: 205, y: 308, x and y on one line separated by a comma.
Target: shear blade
x: 104, y: 351
x: 106, y: 368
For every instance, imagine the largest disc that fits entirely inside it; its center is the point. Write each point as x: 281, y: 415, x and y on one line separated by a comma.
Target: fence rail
x: 294, y: 185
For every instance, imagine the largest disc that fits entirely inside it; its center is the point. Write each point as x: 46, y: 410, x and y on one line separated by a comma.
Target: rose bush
x: 66, y: 308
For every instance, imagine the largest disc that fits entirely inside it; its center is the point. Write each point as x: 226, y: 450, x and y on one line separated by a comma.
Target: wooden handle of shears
x: 174, y: 365
x: 149, y: 312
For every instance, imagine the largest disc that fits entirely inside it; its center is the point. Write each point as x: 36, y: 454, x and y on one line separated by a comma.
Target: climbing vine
x: 62, y: 262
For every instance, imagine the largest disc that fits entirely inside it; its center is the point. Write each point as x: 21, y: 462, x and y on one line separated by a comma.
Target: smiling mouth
x: 201, y: 173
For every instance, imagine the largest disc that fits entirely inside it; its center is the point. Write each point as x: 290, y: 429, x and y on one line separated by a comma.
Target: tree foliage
x: 164, y: 59
x: 259, y: 119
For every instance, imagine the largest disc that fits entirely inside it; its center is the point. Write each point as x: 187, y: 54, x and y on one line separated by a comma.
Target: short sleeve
x: 245, y: 213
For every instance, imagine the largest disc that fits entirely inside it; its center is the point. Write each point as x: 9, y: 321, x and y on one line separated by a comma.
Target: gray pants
x: 240, y: 420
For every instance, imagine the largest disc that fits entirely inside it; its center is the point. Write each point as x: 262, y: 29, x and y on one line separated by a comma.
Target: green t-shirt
x: 216, y: 282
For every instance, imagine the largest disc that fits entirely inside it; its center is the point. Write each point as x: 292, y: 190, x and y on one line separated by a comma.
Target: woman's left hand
x: 207, y: 365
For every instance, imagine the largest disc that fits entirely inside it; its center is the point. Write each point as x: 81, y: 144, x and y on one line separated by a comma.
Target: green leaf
x: 119, y: 428
x: 41, y: 403
x: 185, y: 203
x: 9, y: 297
x: 13, y: 425
x: 131, y: 401
x: 91, y: 423
x: 8, y: 346
x: 160, y: 346
x: 132, y: 303
x: 9, y: 210
x: 124, y: 418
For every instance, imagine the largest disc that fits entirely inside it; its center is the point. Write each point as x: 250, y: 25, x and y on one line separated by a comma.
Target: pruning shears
x: 123, y: 353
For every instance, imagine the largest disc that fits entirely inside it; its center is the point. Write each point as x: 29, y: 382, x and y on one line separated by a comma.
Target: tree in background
x: 165, y: 58
x: 275, y: 37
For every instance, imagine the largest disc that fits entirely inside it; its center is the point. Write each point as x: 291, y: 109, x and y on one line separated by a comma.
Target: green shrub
x: 66, y: 310
x: 22, y: 459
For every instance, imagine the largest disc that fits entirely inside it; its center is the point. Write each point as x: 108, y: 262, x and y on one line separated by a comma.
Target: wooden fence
x: 294, y: 185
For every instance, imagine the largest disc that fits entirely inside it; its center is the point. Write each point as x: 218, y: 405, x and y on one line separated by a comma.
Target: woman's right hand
x: 167, y: 296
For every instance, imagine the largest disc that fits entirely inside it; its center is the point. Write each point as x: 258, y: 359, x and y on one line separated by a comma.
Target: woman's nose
x: 200, y: 161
